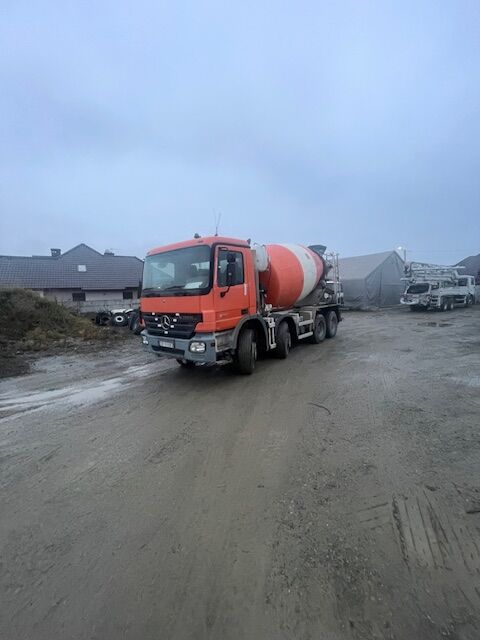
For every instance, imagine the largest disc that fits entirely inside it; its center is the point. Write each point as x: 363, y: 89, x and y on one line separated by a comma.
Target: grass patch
x: 31, y: 323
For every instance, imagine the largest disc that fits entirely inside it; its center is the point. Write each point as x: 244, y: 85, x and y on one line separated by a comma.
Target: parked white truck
x: 431, y: 286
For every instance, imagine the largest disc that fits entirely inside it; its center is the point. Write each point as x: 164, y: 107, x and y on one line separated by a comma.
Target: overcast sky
x: 127, y: 125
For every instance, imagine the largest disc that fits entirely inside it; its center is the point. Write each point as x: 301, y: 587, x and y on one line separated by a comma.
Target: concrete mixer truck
x: 219, y: 300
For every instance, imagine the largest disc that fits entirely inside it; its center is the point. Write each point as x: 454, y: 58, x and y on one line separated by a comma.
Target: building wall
x: 94, y: 300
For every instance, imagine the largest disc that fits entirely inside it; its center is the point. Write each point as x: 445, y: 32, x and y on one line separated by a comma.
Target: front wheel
x: 246, y: 352
x: 284, y: 341
x: 444, y: 305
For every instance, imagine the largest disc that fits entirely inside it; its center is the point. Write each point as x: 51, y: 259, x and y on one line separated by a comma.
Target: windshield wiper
x: 157, y: 291
x: 173, y: 287
x: 150, y: 291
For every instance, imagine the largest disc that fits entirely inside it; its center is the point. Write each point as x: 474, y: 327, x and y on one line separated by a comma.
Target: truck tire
x: 119, y: 320
x: 103, y: 318
x: 450, y: 305
x: 131, y: 320
x: 443, y: 304
x: 136, y: 327
x: 134, y: 323
x: 319, y: 330
x: 283, y: 340
x: 246, y: 352
x: 332, y: 324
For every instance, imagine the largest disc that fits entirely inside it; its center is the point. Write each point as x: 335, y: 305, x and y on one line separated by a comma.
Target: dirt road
x: 333, y: 495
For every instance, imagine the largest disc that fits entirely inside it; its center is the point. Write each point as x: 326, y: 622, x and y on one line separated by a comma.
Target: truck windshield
x: 185, y: 271
x: 418, y: 288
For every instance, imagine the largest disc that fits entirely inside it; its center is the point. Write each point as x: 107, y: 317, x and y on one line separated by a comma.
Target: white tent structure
x: 372, y: 281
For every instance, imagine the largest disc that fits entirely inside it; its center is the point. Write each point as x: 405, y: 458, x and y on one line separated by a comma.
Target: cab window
x: 237, y: 264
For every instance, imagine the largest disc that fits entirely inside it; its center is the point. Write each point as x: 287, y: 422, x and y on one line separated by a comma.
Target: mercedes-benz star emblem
x: 165, y: 322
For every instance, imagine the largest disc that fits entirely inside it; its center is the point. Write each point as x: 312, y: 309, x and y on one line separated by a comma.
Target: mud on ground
x: 333, y: 495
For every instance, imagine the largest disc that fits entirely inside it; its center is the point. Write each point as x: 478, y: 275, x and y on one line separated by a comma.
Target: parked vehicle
x: 431, y: 286
x: 218, y: 300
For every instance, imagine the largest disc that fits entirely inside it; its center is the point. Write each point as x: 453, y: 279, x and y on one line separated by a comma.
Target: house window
x: 128, y: 295
x: 82, y: 268
x: 78, y: 296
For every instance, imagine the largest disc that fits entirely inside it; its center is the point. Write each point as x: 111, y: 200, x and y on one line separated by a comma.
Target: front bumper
x: 216, y: 345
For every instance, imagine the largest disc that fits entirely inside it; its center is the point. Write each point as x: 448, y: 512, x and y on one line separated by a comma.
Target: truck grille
x: 173, y: 325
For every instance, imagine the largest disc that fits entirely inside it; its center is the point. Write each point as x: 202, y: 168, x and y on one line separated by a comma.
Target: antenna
x: 217, y: 219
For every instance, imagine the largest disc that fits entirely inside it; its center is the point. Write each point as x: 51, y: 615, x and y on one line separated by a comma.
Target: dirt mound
x: 31, y: 323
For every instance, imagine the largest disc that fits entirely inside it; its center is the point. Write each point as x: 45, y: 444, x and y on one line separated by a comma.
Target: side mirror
x: 231, y: 268
x: 231, y: 273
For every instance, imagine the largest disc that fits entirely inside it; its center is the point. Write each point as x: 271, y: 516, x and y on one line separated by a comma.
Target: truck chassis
x: 276, y: 332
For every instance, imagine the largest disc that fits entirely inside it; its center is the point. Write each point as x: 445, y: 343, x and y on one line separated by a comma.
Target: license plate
x: 169, y: 344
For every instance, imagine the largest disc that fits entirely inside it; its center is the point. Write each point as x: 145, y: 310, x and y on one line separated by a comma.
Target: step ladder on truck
x: 431, y: 286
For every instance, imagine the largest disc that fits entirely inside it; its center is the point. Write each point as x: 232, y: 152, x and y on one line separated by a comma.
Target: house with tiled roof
x: 81, y: 277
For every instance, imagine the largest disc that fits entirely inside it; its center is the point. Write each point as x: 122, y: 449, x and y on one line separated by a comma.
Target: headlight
x: 197, y: 347
x: 144, y: 340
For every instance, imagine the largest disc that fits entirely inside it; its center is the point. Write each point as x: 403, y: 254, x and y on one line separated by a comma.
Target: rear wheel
x: 450, y: 305
x: 246, y: 352
x: 332, y: 324
x: 319, y: 330
x: 284, y: 341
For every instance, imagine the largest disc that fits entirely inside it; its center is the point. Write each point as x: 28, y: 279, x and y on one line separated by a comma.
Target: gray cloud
x: 126, y: 126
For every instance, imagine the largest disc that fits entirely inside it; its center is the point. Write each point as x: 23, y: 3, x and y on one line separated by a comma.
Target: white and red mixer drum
x: 291, y: 274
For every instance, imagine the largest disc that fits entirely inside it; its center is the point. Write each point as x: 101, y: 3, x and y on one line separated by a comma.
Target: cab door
x: 230, y: 287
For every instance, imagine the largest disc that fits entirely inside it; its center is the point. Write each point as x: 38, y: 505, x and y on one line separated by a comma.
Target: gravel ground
x: 333, y: 495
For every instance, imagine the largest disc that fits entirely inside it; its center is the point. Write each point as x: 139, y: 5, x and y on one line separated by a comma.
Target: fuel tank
x: 288, y: 273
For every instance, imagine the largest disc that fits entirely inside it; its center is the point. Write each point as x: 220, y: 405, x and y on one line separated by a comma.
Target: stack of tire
x: 120, y: 319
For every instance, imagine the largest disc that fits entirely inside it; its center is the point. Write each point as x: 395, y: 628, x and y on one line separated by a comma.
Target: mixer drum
x: 292, y: 274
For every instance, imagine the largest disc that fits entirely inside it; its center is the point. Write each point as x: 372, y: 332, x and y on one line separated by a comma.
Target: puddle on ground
x: 473, y: 381
x: 435, y: 324
x: 80, y: 394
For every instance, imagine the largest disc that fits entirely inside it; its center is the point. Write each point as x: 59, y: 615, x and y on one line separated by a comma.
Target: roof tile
x: 104, y: 272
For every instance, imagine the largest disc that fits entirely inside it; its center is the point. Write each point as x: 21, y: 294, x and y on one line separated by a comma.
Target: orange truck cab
x: 202, y: 303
